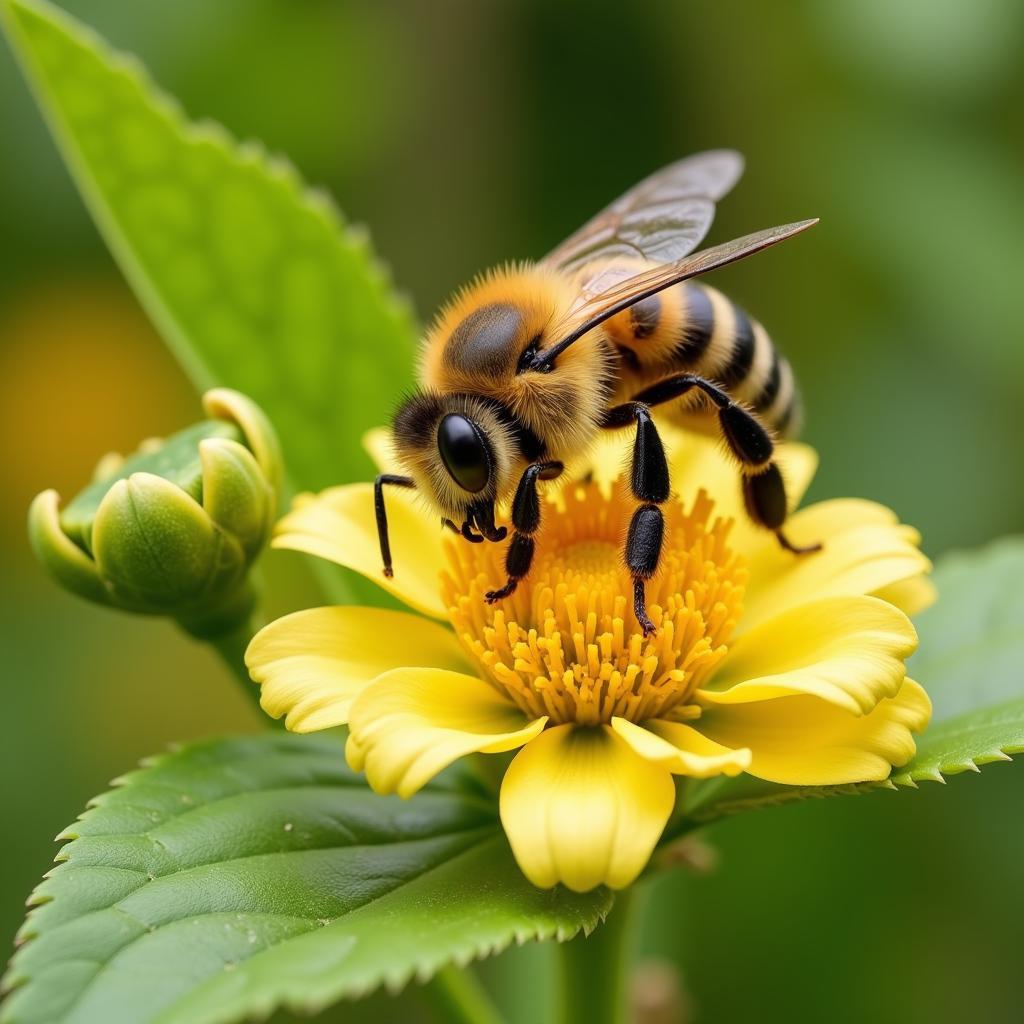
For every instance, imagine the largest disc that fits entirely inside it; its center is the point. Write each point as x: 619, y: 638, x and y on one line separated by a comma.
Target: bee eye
x: 464, y: 452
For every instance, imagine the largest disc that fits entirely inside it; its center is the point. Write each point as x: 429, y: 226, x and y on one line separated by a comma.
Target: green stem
x: 457, y: 997
x: 231, y: 645
x: 227, y: 625
x: 594, y: 970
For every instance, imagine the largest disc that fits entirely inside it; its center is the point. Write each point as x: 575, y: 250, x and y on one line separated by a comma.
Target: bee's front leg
x: 525, y: 523
x: 382, y: 516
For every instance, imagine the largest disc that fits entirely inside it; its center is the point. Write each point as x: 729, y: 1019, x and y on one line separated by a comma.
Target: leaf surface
x: 253, y: 279
x: 231, y: 877
x: 971, y: 661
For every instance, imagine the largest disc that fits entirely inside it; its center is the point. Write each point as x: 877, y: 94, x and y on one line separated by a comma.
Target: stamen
x: 567, y: 644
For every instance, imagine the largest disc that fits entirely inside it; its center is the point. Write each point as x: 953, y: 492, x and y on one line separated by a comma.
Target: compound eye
x: 464, y: 452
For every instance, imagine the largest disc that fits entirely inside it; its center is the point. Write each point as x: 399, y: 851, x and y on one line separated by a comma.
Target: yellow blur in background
x: 466, y: 134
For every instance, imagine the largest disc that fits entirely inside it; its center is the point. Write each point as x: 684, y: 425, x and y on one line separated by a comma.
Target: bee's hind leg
x: 764, y: 494
x: 525, y: 523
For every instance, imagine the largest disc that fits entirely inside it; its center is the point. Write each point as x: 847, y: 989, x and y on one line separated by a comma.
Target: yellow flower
x: 789, y: 668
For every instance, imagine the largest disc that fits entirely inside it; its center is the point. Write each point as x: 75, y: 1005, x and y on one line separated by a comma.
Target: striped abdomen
x: 695, y: 328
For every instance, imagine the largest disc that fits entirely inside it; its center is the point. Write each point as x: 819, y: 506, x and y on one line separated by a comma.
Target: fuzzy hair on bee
x: 414, y: 433
x: 524, y: 367
x: 478, y: 340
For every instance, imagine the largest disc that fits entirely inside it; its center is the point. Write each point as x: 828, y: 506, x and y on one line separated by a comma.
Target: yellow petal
x: 339, y: 525
x: 378, y: 445
x: 846, y: 650
x: 865, y: 551
x: 411, y: 723
x: 681, y: 748
x: 911, y: 596
x: 313, y: 663
x: 804, y: 741
x: 582, y: 808
x: 354, y: 754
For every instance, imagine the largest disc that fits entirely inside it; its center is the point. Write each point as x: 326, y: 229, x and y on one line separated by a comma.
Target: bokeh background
x: 464, y: 134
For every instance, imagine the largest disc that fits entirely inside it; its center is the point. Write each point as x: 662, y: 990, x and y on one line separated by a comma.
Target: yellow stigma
x: 566, y: 644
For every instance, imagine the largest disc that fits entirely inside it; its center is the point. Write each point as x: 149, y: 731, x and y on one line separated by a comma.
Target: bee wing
x: 608, y: 294
x: 662, y: 219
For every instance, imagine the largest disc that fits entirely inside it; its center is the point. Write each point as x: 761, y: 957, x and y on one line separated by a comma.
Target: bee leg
x: 643, y: 551
x: 747, y: 438
x: 382, y: 516
x: 481, y: 515
x: 649, y: 480
x: 525, y: 523
x: 467, y: 532
x: 765, y: 497
x: 764, y: 491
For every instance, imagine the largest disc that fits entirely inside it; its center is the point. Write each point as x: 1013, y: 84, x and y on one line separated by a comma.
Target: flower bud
x: 173, y: 529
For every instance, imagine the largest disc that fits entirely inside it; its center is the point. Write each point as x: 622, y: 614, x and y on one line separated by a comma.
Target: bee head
x: 457, y: 449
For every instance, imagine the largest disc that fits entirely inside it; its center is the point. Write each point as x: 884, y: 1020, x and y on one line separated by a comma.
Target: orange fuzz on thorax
x: 475, y: 344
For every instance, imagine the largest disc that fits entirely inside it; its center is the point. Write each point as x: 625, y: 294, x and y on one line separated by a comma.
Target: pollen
x: 567, y: 645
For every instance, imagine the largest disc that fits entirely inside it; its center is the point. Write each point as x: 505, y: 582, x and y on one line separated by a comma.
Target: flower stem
x: 457, y: 997
x: 594, y: 970
x: 231, y: 645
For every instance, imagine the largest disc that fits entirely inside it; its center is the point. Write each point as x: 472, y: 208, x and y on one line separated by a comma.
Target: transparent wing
x: 662, y: 219
x: 603, y: 297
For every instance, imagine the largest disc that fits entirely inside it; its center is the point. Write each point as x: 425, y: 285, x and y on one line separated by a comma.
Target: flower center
x: 566, y: 644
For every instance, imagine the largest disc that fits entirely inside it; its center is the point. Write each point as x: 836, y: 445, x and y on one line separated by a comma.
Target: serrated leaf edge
x: 996, y: 755
x: 69, y: 835
x: 392, y: 982
x: 895, y: 782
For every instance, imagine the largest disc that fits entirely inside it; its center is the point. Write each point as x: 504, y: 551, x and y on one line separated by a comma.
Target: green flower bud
x: 173, y: 529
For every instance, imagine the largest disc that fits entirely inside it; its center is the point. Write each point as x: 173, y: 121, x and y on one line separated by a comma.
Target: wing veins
x: 690, y: 187
x: 597, y: 309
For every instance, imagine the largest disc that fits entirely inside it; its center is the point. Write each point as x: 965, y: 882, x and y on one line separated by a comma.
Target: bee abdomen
x: 693, y: 327
x: 737, y: 352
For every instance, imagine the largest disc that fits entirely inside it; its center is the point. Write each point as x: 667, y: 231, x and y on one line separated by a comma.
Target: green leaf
x: 971, y: 653
x: 253, y: 279
x: 966, y: 742
x: 971, y: 662
x: 231, y: 877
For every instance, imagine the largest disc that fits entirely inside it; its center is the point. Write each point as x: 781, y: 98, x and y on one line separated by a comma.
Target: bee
x: 523, y: 368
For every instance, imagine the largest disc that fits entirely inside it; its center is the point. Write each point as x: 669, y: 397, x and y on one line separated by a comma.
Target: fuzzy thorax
x: 477, y: 340
x: 567, y: 644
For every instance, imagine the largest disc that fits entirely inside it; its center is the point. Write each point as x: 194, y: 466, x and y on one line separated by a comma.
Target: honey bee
x: 523, y: 368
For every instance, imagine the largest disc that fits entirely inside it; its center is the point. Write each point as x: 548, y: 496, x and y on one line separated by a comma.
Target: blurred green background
x: 465, y: 134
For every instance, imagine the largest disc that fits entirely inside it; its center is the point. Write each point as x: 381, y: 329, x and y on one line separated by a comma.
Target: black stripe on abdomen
x: 742, y: 356
x: 767, y: 395
x: 700, y: 325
